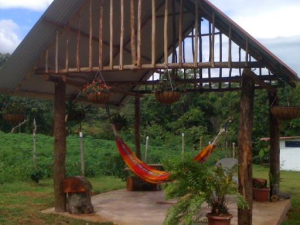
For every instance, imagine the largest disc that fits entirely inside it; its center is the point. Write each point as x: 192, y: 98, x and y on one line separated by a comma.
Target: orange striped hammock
x: 146, y: 172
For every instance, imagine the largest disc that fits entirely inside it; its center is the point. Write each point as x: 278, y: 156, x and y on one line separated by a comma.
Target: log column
x: 59, y: 167
x: 245, y: 147
x: 137, y: 124
x: 274, y: 147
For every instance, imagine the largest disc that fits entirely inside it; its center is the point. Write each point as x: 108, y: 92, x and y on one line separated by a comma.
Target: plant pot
x: 14, y: 118
x: 76, y: 116
x: 167, y: 97
x: 286, y: 112
x: 261, y: 194
x: 99, y: 97
x: 219, y: 220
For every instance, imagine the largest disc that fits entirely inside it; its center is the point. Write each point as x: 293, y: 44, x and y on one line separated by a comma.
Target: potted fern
x: 14, y: 112
x: 74, y: 111
x: 195, y: 184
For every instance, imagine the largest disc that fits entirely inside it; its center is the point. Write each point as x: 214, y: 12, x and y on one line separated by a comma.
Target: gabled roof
x: 18, y: 74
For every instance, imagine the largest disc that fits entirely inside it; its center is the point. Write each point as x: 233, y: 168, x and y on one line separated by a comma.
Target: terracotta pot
x: 167, y: 97
x: 14, y: 118
x: 219, y: 220
x: 98, y: 97
x: 261, y: 194
x: 285, y: 112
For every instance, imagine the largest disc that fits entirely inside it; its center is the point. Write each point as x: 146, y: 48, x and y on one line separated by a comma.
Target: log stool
x: 78, y: 190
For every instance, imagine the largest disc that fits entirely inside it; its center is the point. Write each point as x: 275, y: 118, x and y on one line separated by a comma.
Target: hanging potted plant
x: 14, y: 112
x: 119, y: 121
x: 167, y: 91
x: 74, y: 111
x: 97, y: 91
x: 285, y: 112
x: 194, y: 184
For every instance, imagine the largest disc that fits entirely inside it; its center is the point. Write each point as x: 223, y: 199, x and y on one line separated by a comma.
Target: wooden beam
x: 111, y: 34
x: 56, y: 52
x: 137, y: 124
x: 166, y: 50
x: 245, y: 148
x: 101, y: 35
x: 132, y: 28
x: 260, y: 82
x: 59, y: 165
x: 153, y: 41
x: 236, y: 65
x: 91, y: 34
x: 180, y: 32
x: 78, y: 42
x: 196, y: 33
x: 274, y: 124
x: 139, y: 34
x: 213, y: 42
x: 122, y: 35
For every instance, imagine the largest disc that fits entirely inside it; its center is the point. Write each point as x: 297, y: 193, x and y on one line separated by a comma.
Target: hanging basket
x: 167, y: 97
x: 285, y: 112
x: 14, y: 118
x: 99, y: 97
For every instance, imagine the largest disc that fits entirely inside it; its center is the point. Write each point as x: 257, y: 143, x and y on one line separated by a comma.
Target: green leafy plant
x: 97, y: 86
x: 167, y: 84
x: 195, y: 184
x: 76, y: 111
x: 14, y: 107
x: 118, y: 119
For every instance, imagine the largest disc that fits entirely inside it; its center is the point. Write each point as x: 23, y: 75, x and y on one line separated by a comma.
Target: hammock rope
x: 146, y: 172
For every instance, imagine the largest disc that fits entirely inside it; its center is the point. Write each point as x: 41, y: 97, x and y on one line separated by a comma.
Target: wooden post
x: 59, y: 166
x: 153, y: 51
x: 111, y: 34
x: 56, y: 52
x: 82, y: 161
x: 139, y: 34
x: 34, y: 144
x: 91, y: 36
x: 101, y: 35
x: 132, y: 28
x: 233, y: 150
x: 166, y: 51
x: 146, y: 149
x: 245, y: 147
x: 274, y: 147
x: 180, y: 32
x: 196, y: 34
x: 137, y: 124
x: 122, y: 34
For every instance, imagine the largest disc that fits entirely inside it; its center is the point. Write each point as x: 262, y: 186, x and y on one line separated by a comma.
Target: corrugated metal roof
x: 19, y: 68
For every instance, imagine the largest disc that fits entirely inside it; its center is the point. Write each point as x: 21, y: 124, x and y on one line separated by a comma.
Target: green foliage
x: 194, y: 184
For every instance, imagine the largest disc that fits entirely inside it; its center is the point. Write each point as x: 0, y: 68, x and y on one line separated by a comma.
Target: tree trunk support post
x: 59, y: 166
x: 274, y: 147
x: 137, y: 124
x: 245, y: 147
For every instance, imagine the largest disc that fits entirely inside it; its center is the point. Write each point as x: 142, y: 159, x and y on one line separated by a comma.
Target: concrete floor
x: 149, y: 208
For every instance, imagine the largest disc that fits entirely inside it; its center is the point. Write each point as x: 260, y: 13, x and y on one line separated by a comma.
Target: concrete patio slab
x: 149, y: 208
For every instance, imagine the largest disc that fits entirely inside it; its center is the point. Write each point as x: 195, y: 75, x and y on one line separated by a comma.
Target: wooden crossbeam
x: 257, y: 80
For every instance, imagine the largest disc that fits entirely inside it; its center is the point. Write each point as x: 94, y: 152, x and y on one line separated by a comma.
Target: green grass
x: 290, y: 183
x: 21, y: 202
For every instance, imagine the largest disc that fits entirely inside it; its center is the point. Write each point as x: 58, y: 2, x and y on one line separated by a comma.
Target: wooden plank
x: 111, y: 34
x: 67, y: 48
x: 180, y: 32
x: 101, y: 35
x: 166, y: 51
x: 196, y: 33
x: 139, y: 34
x: 122, y: 35
x: 245, y: 148
x: 56, y: 51
x: 91, y: 35
x: 213, y: 42
x: 132, y: 28
x: 153, y: 41
x: 261, y: 83
x: 59, y: 164
x: 247, y: 52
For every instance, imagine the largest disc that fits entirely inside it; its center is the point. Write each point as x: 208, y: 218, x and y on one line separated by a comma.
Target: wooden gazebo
x: 132, y: 42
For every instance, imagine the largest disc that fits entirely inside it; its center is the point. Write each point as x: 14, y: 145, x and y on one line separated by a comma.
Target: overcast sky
x: 272, y: 22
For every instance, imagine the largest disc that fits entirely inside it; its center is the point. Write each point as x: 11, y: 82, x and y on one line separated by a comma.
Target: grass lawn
x: 290, y: 183
x: 21, y: 202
